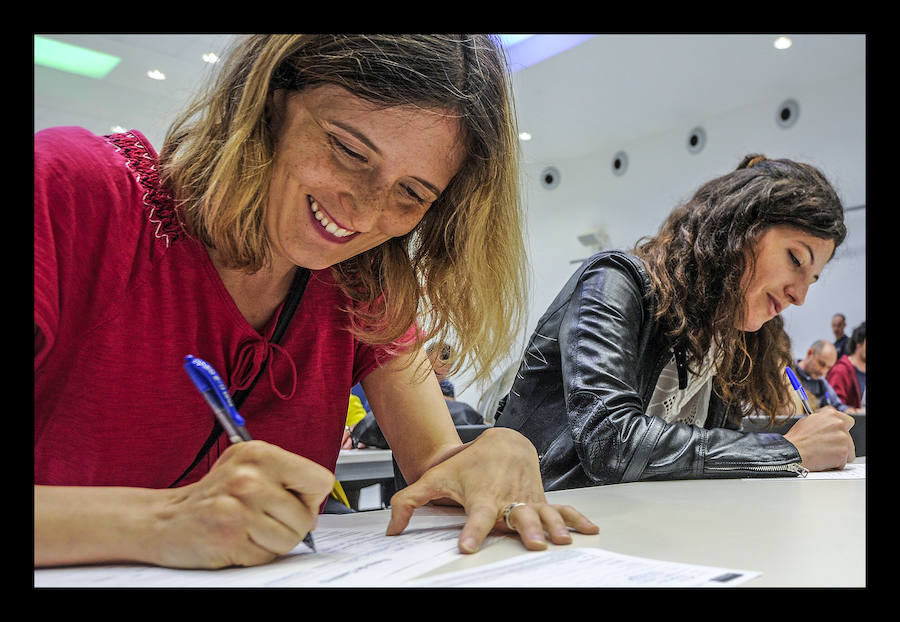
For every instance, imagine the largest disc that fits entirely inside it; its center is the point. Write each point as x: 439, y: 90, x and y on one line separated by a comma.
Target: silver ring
x: 507, y: 509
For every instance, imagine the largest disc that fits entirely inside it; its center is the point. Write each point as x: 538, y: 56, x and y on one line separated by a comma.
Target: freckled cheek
x: 394, y: 218
x: 400, y: 221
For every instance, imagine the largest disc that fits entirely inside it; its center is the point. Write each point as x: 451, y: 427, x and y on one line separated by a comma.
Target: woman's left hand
x: 497, y: 469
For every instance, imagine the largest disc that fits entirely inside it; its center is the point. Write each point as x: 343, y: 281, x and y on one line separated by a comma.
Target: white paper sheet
x: 345, y: 557
x: 587, y: 567
x: 854, y: 470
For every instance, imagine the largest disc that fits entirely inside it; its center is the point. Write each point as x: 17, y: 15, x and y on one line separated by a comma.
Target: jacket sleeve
x: 602, y: 356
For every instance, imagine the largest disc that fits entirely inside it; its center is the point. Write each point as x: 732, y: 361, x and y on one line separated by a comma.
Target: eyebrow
x: 359, y: 135
x: 368, y: 143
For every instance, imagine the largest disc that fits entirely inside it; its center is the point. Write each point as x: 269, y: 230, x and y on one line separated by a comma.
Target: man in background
x: 841, y: 340
x: 812, y: 371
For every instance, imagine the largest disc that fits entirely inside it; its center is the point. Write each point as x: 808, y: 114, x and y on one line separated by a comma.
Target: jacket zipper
x: 794, y: 467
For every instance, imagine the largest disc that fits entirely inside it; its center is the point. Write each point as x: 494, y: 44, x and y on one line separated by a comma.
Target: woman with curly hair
x: 317, y: 215
x: 645, y: 363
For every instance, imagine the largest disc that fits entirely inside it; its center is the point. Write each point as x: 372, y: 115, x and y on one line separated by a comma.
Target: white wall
x: 829, y: 133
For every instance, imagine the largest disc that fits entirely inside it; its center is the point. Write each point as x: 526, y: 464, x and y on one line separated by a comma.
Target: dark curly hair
x: 858, y: 336
x: 702, y: 251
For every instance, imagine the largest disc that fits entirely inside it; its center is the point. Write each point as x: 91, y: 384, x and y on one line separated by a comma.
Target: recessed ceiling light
x: 209, y: 57
x: 73, y: 58
x: 782, y: 43
x: 156, y: 74
x: 524, y: 136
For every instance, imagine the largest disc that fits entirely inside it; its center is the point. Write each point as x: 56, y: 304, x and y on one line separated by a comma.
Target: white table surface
x: 796, y: 532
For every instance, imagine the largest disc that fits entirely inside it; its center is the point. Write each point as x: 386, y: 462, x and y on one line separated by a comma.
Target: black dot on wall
x: 619, y: 163
x: 787, y: 113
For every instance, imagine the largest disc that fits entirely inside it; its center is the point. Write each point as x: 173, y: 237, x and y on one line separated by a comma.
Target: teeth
x: 330, y: 227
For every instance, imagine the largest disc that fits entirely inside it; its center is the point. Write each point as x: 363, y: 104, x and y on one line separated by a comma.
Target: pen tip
x: 308, y: 541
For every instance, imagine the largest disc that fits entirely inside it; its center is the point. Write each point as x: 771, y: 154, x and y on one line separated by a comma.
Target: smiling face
x: 349, y: 175
x: 788, y: 261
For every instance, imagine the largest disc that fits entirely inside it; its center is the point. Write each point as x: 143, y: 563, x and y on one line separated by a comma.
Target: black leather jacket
x: 587, y: 374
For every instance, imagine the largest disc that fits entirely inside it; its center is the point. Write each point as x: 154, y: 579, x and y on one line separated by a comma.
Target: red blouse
x: 122, y: 295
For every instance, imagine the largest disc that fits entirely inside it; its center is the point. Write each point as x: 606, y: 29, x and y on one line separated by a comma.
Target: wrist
x: 798, y: 445
x: 86, y: 524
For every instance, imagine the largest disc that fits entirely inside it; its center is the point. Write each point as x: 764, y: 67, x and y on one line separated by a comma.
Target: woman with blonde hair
x: 645, y: 363
x: 312, y: 219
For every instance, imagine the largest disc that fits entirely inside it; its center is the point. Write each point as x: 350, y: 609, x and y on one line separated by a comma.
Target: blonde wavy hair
x: 461, y: 273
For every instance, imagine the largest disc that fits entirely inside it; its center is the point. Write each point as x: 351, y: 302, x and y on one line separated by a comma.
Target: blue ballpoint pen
x: 799, y: 389
x: 213, y: 390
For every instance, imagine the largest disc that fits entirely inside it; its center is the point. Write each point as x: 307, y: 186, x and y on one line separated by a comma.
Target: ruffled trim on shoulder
x: 141, y: 160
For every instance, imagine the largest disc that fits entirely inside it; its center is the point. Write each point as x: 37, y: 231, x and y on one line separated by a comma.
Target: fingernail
x: 539, y: 543
x: 468, y: 545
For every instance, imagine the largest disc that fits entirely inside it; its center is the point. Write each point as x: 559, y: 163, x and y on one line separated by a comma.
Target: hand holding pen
x: 279, y: 492
x: 823, y: 438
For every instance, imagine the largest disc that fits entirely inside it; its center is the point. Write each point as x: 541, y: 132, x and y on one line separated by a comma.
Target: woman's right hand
x: 257, y: 502
x: 823, y: 439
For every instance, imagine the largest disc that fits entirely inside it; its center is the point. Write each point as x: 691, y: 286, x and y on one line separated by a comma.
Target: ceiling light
x: 209, y: 57
x: 156, y: 74
x: 524, y: 136
x: 782, y: 43
x: 73, y: 58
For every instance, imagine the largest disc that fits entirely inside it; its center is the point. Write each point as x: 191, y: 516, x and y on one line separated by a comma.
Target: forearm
x: 83, y: 525
x: 412, y: 414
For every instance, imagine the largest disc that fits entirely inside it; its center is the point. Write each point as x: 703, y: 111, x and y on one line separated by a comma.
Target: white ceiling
x: 606, y: 91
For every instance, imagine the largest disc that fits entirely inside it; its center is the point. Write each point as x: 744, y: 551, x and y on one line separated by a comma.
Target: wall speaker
x: 696, y: 140
x: 550, y: 178
x: 787, y: 113
x: 620, y: 163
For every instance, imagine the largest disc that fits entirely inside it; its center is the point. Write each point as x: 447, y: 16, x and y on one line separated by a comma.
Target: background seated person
x: 441, y: 356
x: 811, y: 371
x: 848, y: 376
